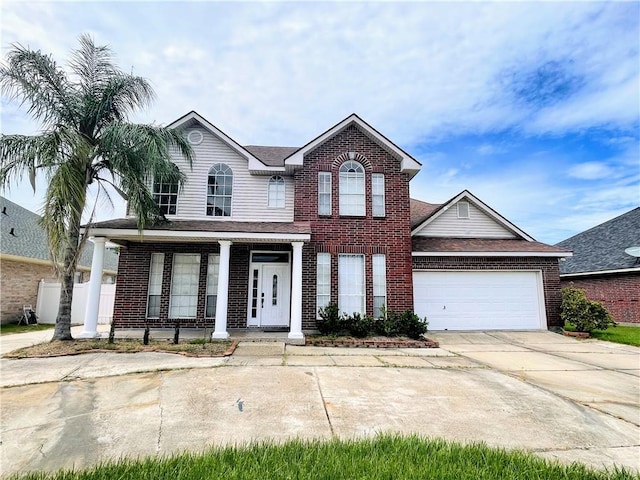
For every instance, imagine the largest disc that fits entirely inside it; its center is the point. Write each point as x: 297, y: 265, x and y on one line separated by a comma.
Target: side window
x: 276, y: 192
x: 352, y: 189
x: 377, y: 195
x: 155, y: 285
x: 324, y: 193
x: 379, y: 265
x: 323, y: 281
x: 213, y: 266
x: 219, y: 191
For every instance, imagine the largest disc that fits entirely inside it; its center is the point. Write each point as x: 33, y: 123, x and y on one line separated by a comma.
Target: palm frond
x: 24, y: 154
x: 34, y: 79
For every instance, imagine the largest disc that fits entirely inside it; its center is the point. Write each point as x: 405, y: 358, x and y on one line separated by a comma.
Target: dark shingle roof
x: 420, y: 211
x: 602, y: 247
x: 29, y: 239
x: 480, y: 245
x: 271, y: 156
x: 210, y: 226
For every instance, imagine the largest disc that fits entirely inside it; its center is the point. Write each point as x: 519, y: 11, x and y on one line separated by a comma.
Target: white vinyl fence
x: 49, y: 301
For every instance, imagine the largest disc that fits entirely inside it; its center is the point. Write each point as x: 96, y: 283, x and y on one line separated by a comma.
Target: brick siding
x: 548, y: 266
x: 368, y: 235
x: 19, y: 286
x: 619, y: 293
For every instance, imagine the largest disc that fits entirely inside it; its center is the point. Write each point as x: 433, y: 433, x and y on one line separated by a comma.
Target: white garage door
x: 479, y: 300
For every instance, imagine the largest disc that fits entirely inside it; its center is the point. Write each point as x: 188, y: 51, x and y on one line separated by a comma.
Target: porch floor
x: 240, y: 334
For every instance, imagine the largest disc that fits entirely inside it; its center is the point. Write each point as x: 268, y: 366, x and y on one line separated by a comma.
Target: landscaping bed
x: 371, y: 342
x: 189, y: 348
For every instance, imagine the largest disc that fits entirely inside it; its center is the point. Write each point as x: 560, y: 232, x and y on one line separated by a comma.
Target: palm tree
x: 86, y: 139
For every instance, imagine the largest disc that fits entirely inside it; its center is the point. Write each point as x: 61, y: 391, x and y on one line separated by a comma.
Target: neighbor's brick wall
x: 620, y: 294
x: 335, y: 234
x: 548, y: 266
x: 19, y: 286
x: 130, y: 307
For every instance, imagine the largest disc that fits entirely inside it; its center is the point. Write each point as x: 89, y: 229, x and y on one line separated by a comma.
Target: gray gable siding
x: 602, y: 247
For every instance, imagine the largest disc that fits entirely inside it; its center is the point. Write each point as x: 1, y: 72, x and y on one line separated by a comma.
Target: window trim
x: 363, y: 294
x: 374, y: 195
x: 379, y: 275
x: 206, y: 291
x: 326, y: 280
x: 161, y: 276
x: 197, y: 285
x: 345, y: 175
x: 276, y: 181
x: 216, y: 195
x: 328, y: 194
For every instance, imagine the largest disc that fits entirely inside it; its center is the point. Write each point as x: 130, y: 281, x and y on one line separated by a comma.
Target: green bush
x: 412, y: 325
x: 583, y: 314
x: 387, y: 325
x: 330, y: 322
x: 359, y: 326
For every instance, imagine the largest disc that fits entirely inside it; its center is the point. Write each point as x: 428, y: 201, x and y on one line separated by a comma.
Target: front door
x: 269, y: 290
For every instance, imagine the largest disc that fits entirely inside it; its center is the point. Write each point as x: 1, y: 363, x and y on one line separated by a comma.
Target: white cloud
x: 590, y: 171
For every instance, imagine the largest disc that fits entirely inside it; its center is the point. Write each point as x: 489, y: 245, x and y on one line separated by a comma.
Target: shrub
x: 387, y: 324
x: 330, y: 322
x: 412, y: 325
x: 359, y: 326
x: 583, y: 314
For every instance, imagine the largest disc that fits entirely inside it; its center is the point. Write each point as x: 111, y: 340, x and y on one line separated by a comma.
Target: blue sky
x: 533, y: 107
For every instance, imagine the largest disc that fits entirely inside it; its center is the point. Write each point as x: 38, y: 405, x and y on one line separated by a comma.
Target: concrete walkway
x: 559, y: 397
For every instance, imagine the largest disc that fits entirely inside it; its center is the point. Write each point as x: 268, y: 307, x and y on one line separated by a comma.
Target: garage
x: 480, y: 300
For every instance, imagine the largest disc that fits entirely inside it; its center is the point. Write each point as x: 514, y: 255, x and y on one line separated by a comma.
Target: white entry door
x: 274, y: 295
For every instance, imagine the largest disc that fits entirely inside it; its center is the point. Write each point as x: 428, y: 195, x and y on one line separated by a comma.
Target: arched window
x: 219, y: 191
x: 352, y: 189
x: 276, y: 192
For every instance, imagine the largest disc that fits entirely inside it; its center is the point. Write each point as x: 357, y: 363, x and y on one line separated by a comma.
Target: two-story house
x: 263, y: 237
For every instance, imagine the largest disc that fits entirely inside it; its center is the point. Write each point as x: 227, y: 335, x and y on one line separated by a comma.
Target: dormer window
x: 219, y: 191
x: 276, y: 192
x: 352, y: 200
x: 463, y: 209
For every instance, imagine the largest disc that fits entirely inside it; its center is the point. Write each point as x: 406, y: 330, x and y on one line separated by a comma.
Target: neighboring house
x: 263, y: 237
x: 602, y: 268
x: 24, y: 260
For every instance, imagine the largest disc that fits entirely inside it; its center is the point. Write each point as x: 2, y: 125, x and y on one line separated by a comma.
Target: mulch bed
x: 372, y: 342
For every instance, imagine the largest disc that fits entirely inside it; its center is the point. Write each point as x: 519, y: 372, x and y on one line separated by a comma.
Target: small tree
x: 583, y: 314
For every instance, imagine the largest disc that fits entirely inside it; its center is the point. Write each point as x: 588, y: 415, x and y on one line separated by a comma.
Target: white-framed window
x: 219, y: 191
x: 213, y: 269
x: 155, y: 285
x: 352, y: 189
x: 324, y: 193
x: 463, y: 209
x: 379, y: 265
x: 323, y: 281
x: 276, y: 192
x: 377, y: 195
x: 185, y: 276
x: 351, y: 284
x: 166, y: 197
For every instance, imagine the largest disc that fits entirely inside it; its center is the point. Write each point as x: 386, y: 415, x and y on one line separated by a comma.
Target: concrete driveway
x: 558, y: 397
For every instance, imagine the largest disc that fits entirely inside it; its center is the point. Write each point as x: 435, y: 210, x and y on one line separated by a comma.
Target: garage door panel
x: 478, y: 300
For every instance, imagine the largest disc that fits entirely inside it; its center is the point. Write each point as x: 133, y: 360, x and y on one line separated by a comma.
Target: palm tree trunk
x: 62, y: 330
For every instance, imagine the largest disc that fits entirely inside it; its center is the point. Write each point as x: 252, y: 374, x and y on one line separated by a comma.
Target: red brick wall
x: 133, y: 280
x: 548, y: 266
x: 620, y: 294
x: 390, y: 235
x: 19, y: 286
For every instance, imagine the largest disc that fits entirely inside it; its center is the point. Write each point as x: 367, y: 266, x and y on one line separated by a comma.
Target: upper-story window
x: 219, y: 191
x: 276, y: 192
x: 324, y: 193
x: 352, y: 189
x: 166, y: 197
x: 377, y: 195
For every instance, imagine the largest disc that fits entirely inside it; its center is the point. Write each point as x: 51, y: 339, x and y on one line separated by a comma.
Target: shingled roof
x: 30, y: 241
x: 271, y: 156
x: 420, y: 211
x: 602, y: 247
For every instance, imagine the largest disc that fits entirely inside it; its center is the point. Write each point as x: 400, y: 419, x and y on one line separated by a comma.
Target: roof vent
x: 195, y: 137
x: 463, y: 209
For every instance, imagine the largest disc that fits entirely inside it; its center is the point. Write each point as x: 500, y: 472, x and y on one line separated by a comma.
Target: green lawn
x: 619, y: 334
x: 9, y: 328
x: 384, y: 457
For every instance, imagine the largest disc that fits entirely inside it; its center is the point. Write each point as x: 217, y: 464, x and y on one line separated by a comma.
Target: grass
x: 196, y: 347
x: 618, y: 334
x: 9, y: 328
x: 382, y: 457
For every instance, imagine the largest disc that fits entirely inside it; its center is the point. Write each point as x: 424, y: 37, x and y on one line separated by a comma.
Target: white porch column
x: 295, y: 331
x: 90, y: 329
x: 222, y: 301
